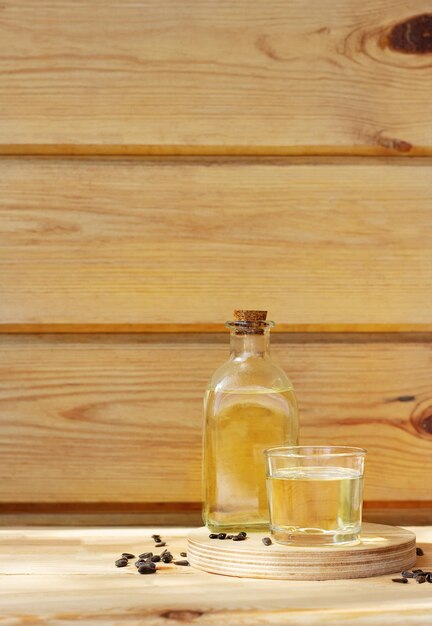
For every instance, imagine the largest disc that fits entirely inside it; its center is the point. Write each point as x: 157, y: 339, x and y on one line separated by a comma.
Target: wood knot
x: 181, y: 616
x: 412, y: 36
x: 421, y: 419
x: 392, y: 143
x: 263, y: 44
x: 426, y: 423
x: 405, y: 398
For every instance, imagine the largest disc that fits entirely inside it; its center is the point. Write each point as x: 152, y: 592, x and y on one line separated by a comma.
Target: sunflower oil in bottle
x: 250, y: 405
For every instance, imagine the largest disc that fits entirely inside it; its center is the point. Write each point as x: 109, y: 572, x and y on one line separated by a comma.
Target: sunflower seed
x: 145, y: 555
x: 167, y: 558
x: 147, y: 568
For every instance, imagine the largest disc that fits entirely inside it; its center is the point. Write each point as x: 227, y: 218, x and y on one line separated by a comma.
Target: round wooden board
x: 381, y: 550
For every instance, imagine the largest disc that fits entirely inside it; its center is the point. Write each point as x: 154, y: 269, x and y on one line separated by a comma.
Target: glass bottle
x: 249, y: 406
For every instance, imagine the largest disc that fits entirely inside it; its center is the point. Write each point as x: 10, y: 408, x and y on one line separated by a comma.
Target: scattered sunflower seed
x: 147, y: 568
x: 267, y: 541
x: 222, y: 536
x: 128, y: 555
x: 238, y: 538
x: 181, y: 563
x: 183, y: 553
x: 400, y: 580
x: 420, y: 579
x: 408, y: 574
x: 242, y: 534
x: 419, y: 552
x: 155, y: 559
x: 160, y: 544
x: 121, y: 562
x: 167, y: 558
x: 213, y: 536
x: 145, y: 555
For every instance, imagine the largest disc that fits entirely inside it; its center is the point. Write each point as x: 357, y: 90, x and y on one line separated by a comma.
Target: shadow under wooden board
x: 105, y: 421
x: 124, y: 242
x: 222, y: 77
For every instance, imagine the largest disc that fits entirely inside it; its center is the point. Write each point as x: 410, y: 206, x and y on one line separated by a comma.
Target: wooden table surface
x: 62, y: 576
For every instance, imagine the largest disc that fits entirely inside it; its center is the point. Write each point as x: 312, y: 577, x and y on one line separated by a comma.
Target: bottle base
x: 236, y: 528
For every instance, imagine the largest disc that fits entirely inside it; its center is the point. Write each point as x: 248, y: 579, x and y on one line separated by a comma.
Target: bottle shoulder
x: 250, y: 372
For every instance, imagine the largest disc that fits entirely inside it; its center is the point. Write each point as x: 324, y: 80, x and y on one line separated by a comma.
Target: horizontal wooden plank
x: 115, y: 518
x: 178, y: 76
x: 395, y: 514
x: 117, y: 419
x: 182, y: 514
x: 100, y: 513
x: 67, y: 577
x: 184, y: 241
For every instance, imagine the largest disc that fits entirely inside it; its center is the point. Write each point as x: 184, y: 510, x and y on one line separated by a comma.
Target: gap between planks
x: 165, y: 514
x: 167, y: 507
x: 207, y: 150
x: 119, y: 328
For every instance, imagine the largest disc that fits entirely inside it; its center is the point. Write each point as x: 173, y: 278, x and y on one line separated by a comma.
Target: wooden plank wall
x: 165, y: 162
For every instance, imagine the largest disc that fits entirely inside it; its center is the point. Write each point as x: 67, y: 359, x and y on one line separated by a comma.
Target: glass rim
x: 314, y: 451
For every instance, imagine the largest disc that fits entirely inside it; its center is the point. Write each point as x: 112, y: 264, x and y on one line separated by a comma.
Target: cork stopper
x: 249, y: 322
x: 241, y: 315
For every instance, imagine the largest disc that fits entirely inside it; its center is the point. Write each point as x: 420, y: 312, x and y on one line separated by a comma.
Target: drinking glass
x: 315, y: 494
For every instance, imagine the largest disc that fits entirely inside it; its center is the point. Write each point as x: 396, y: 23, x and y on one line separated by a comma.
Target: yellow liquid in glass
x: 315, y: 504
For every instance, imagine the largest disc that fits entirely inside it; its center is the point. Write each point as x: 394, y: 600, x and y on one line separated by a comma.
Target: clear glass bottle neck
x: 244, y: 345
